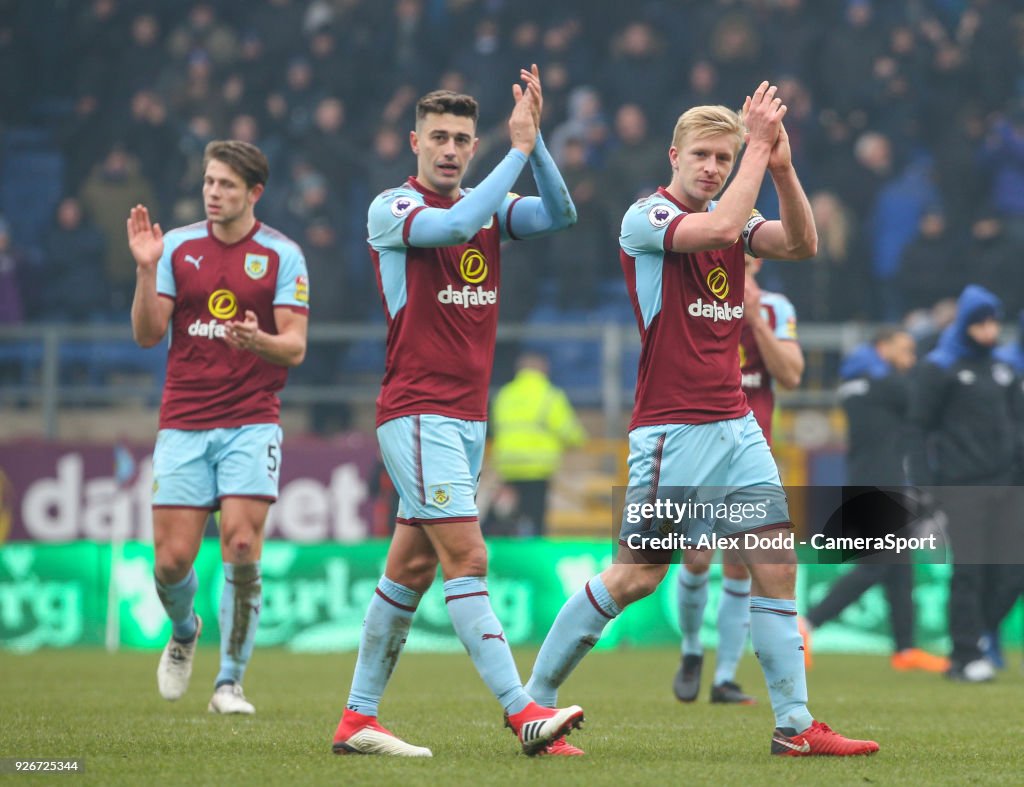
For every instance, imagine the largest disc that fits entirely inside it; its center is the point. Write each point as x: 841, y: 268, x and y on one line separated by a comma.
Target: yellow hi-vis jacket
x: 533, y: 422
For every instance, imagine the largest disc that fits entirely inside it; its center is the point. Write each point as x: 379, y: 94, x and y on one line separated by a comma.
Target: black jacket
x: 962, y: 421
x: 963, y: 407
x: 876, y: 400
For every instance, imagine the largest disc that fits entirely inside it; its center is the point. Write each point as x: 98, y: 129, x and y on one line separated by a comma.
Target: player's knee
x: 171, y: 567
x: 240, y: 546
x: 418, y: 574
x: 636, y: 582
x: 471, y: 567
x: 649, y: 579
x: 735, y: 571
x: 699, y: 561
x: 469, y: 563
x: 240, y: 551
x: 774, y: 579
x: 783, y: 572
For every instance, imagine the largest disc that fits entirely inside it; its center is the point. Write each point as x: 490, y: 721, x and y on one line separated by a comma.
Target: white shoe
x: 230, y: 699
x: 175, y: 668
x: 979, y: 671
x: 537, y: 726
x: 358, y: 734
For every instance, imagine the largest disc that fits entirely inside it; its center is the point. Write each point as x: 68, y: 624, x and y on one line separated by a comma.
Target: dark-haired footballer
x: 435, y: 250
x: 235, y: 296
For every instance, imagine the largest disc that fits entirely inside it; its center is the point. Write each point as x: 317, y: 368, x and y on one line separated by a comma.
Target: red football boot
x: 560, y: 747
x: 537, y: 727
x: 818, y: 740
x: 359, y: 734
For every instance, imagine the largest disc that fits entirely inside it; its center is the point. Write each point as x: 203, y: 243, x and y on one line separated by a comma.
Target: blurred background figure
x: 1012, y: 354
x: 75, y: 250
x: 636, y: 165
x: 930, y: 262
x: 533, y: 422
x: 115, y: 185
x: 963, y: 442
x: 586, y: 253
x: 334, y: 301
x: 875, y: 395
x: 14, y: 273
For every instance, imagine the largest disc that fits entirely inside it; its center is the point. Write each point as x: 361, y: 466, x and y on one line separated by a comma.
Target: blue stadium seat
x: 52, y: 110
x: 575, y: 363
x: 617, y: 309
x: 31, y: 183
x: 26, y: 356
x: 107, y: 358
x: 27, y: 138
x: 630, y: 364
x: 365, y: 356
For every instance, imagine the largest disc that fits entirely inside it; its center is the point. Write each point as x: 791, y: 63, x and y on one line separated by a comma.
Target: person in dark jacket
x: 875, y: 395
x: 74, y: 251
x: 1012, y: 354
x: 963, y: 408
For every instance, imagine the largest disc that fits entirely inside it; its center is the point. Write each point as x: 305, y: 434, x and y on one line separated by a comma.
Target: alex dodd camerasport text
x: 887, y: 543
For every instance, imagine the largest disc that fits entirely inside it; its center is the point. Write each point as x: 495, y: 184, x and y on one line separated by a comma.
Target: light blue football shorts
x: 701, y: 468
x: 434, y: 463
x: 198, y: 467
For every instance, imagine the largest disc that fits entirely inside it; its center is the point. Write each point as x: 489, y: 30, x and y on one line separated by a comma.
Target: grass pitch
x: 105, y: 709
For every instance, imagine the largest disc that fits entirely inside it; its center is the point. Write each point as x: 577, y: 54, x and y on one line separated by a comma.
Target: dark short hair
x: 887, y: 333
x: 447, y: 102
x: 245, y: 159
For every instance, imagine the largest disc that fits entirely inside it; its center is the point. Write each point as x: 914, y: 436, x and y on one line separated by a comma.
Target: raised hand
x: 242, y: 334
x: 533, y: 91
x: 781, y: 157
x: 762, y: 115
x: 145, y: 240
x: 522, y: 124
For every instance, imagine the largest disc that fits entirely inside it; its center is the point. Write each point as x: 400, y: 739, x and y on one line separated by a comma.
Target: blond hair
x: 708, y: 121
x: 833, y: 221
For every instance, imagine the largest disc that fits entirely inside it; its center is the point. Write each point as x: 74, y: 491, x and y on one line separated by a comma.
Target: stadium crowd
x: 906, y: 120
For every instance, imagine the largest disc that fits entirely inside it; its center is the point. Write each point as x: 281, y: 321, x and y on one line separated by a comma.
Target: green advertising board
x: 53, y: 596
x: 315, y: 596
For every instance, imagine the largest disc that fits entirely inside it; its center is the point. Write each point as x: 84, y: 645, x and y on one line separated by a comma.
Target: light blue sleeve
x: 645, y: 224
x: 385, y: 220
x: 508, y: 206
x: 785, y: 316
x: 165, y: 271
x: 292, y: 278
x: 553, y: 210
x: 437, y: 227
x: 165, y: 284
